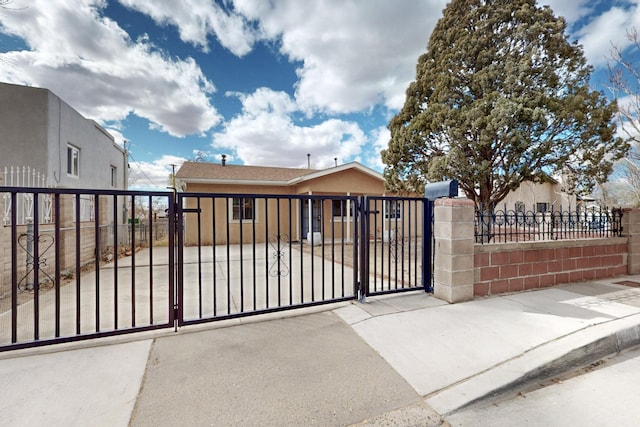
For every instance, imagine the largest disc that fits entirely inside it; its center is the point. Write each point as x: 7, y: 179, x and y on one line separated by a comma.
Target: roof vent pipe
x: 224, y: 160
x: 335, y: 159
x: 308, y: 161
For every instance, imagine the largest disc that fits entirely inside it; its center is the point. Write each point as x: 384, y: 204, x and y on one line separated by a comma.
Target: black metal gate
x: 100, y: 263
x: 396, y: 249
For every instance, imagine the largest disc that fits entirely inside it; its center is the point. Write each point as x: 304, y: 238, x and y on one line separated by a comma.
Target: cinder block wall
x: 512, y: 267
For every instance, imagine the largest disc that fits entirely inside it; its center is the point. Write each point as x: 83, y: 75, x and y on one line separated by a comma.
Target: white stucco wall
x: 36, y: 127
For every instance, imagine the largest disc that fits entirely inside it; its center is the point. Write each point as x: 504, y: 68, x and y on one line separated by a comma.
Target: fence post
x: 631, y: 229
x: 361, y: 241
x: 454, y: 249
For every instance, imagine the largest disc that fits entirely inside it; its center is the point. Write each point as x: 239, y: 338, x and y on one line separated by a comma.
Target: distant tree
x: 501, y: 96
x: 624, y: 76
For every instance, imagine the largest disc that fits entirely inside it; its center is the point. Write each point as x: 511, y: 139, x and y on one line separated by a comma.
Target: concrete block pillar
x: 454, y: 250
x: 631, y: 230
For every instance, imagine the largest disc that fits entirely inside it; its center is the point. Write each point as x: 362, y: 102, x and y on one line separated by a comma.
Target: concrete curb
x: 540, y: 363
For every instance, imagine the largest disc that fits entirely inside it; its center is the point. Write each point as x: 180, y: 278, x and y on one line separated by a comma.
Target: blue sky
x: 264, y: 82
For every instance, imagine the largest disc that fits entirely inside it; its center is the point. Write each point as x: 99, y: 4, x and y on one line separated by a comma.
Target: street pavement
x: 604, y: 393
x: 401, y: 360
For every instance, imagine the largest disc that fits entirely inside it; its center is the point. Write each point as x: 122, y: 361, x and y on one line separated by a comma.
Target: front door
x: 315, y: 216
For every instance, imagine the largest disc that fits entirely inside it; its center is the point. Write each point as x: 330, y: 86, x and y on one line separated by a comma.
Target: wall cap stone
x: 547, y: 244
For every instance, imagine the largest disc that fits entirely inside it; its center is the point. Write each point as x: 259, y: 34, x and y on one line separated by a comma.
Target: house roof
x: 201, y: 172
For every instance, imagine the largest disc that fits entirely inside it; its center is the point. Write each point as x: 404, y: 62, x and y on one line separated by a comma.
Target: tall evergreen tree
x: 501, y: 96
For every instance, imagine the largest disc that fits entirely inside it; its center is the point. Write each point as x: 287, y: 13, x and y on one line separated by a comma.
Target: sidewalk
x: 396, y: 360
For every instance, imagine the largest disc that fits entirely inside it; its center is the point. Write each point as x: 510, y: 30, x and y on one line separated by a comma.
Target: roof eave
x: 233, y: 182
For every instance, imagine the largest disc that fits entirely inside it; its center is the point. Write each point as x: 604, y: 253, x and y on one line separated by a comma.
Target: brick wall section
x: 514, y: 267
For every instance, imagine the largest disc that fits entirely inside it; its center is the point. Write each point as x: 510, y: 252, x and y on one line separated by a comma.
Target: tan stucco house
x: 300, y: 215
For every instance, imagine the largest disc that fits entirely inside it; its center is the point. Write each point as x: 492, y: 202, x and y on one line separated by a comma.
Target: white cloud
x: 265, y: 134
x: 380, y: 141
x: 607, y: 30
x: 90, y: 62
x: 571, y: 10
x: 196, y: 19
x: 153, y: 175
x: 354, y: 54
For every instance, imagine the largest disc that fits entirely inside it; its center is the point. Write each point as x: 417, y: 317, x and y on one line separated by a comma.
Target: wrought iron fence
x: 518, y: 225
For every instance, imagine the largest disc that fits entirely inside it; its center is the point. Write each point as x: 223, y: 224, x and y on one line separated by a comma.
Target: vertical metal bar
x: 241, y: 261
x: 375, y: 241
x: 385, y: 241
x: 151, y: 220
x: 398, y: 241
x: 116, y: 253
x: 361, y: 246
x: 392, y: 242
x: 56, y: 238
x: 133, y: 261
x: 290, y: 251
x: 402, y: 243
x: 301, y: 216
x: 214, y: 244
x: 408, y: 203
x: 229, y: 256
x: 96, y: 237
x: 311, y: 235
x: 176, y: 252
x: 332, y: 219
x: 427, y: 227
x: 36, y: 269
x: 14, y: 268
x: 199, y: 248
x: 322, y: 237
x: 266, y: 250
x: 344, y: 208
x: 78, y: 270
x: 253, y: 246
x: 416, y: 233
x: 278, y: 257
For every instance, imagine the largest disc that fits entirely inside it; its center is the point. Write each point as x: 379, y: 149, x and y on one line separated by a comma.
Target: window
x: 243, y: 208
x: 114, y: 176
x: 542, y: 207
x: 73, y: 161
x: 520, y: 207
x: 87, y: 204
x: 342, y: 210
x: 393, y: 209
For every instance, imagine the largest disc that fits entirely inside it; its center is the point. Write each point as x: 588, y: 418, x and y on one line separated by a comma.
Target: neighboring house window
x: 542, y: 207
x: 73, y: 161
x: 114, y: 176
x: 342, y: 210
x: 520, y: 207
x: 393, y: 209
x: 87, y: 205
x: 243, y: 208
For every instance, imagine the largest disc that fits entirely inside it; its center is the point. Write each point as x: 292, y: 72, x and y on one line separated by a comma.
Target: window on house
x: 342, y: 210
x: 87, y: 204
x: 73, y: 161
x: 243, y: 208
x: 114, y: 176
x: 393, y: 209
x: 542, y: 207
x: 520, y: 207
